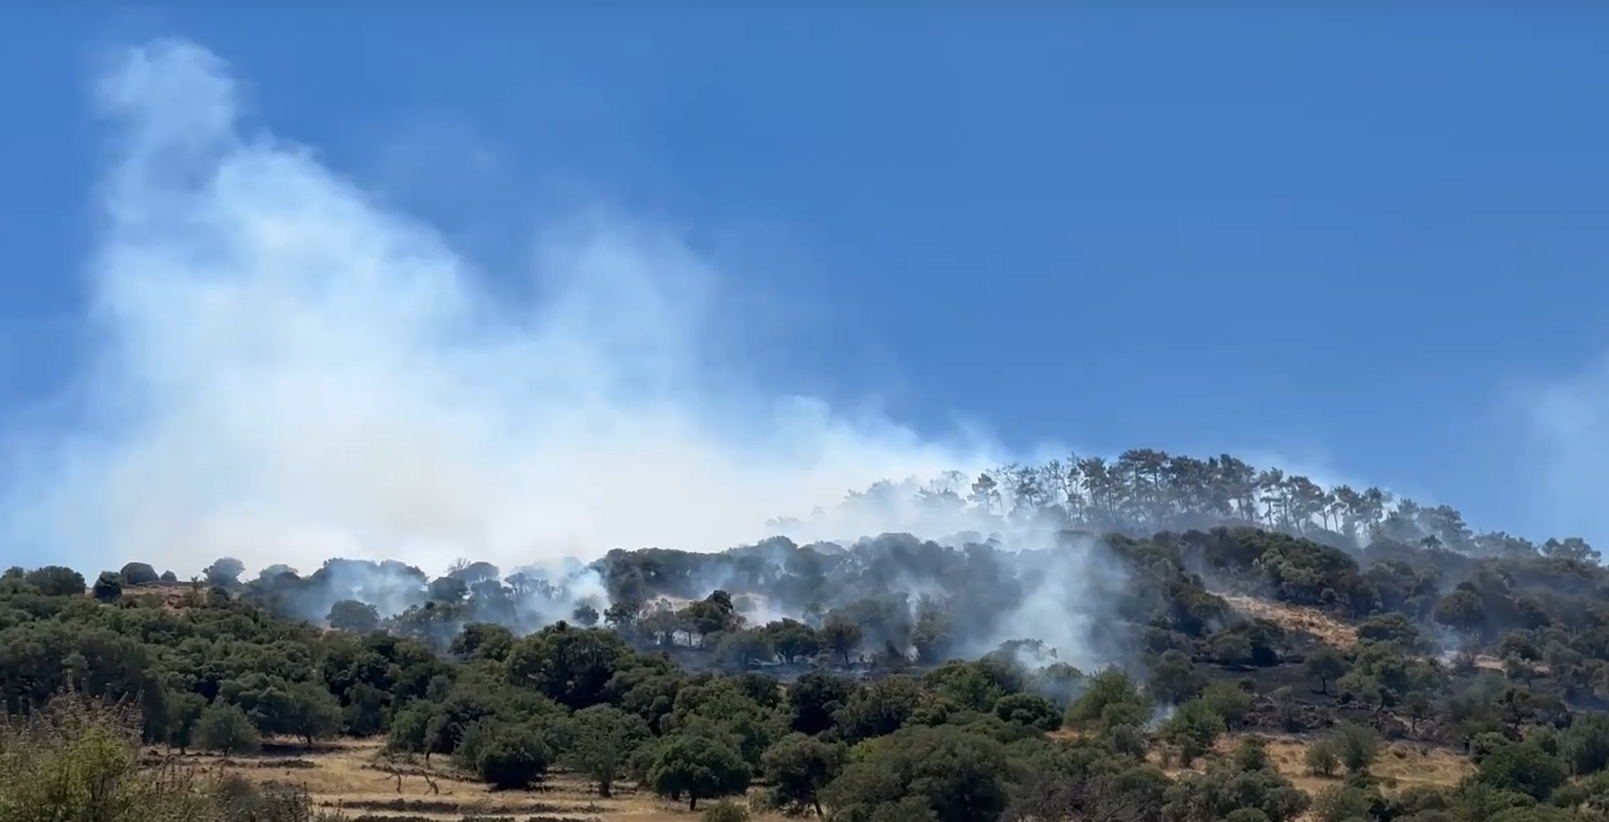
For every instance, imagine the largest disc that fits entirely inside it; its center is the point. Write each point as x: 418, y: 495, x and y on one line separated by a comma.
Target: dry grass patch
x: 356, y: 778
x: 1298, y: 618
x: 1399, y: 765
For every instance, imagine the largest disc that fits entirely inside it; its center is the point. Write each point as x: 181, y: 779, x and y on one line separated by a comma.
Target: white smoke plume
x: 286, y: 371
x: 1568, y: 437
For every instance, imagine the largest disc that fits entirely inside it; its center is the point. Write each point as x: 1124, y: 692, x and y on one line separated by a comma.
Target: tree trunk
x: 605, y: 790
x: 692, y: 802
x: 819, y: 812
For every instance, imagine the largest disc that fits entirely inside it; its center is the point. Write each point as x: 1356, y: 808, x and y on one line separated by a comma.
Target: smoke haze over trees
x: 302, y: 409
x: 919, y: 675
x: 1032, y: 562
x: 621, y: 407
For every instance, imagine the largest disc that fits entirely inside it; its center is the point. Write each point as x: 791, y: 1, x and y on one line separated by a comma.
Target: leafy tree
x: 1357, y: 746
x: 512, y: 759
x: 1193, y: 728
x: 275, y: 706
x: 880, y: 708
x: 723, y: 710
x: 1031, y: 710
x: 1522, y: 767
x: 742, y: 648
x: 570, y: 665
x: 798, y: 768
x: 354, y: 616
x: 56, y: 581
x: 225, y: 729
x: 448, y: 589
x: 816, y: 698
x: 278, y: 569
x: 1322, y: 757
x: 711, y: 615
x: 185, y: 713
x: 139, y: 573
x: 1227, y: 789
x: 224, y: 573
x: 585, y: 615
x: 1174, y: 678
x: 1343, y: 803
x: 697, y: 767
x: 955, y: 775
x: 108, y: 587
x: 1462, y: 610
x: 310, y: 712
x: 602, y: 739
x: 1326, y: 665
x: 841, y: 635
x: 463, y: 708
x: 1585, y: 744
x: 1108, y: 689
x: 793, y: 640
x: 472, y: 573
x: 1389, y: 628
x: 1229, y: 701
x: 481, y: 640
x: 1232, y: 648
x: 410, y: 730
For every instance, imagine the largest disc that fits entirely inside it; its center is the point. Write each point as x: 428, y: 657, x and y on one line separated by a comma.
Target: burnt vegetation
x: 1071, y: 655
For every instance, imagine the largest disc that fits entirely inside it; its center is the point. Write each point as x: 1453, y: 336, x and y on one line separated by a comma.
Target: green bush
x: 725, y: 812
x: 1357, y: 746
x: 512, y: 759
x: 1322, y: 758
x: 225, y: 729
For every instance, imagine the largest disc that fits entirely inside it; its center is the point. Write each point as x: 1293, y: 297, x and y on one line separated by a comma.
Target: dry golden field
x: 355, y: 778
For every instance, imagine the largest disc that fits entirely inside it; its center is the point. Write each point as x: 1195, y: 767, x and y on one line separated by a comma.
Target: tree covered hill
x: 1058, y: 662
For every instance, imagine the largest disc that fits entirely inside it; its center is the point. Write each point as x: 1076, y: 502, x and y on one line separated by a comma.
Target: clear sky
x: 1371, y: 244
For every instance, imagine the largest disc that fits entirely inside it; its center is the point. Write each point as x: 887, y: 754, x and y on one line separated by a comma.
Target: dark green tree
x: 351, y: 615
x: 697, y: 767
x: 139, y: 573
x: 955, y: 775
x: 108, y: 587
x: 798, y: 768
x: 602, y: 739
x: 225, y: 729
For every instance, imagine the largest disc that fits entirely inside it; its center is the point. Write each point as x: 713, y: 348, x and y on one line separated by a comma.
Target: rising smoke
x: 286, y: 371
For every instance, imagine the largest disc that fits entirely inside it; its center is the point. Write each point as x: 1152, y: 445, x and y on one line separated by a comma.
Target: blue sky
x: 1372, y: 244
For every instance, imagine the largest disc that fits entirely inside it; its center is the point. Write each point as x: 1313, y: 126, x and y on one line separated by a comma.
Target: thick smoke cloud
x: 287, y: 371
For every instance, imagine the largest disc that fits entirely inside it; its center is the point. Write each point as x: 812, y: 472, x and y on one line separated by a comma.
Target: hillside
x: 1048, y: 671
